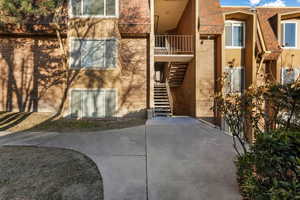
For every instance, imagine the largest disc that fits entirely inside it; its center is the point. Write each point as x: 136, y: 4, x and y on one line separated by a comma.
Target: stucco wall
x: 184, y: 96
x: 206, y: 80
x: 235, y: 56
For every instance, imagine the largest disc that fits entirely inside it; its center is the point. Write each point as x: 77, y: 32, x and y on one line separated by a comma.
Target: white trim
x: 243, y: 24
x: 94, y: 68
x: 70, y: 11
x: 93, y: 89
x: 283, y: 34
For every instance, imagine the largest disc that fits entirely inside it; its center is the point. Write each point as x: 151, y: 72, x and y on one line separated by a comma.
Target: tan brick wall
x: 28, y: 74
x: 28, y: 63
x: 128, y: 78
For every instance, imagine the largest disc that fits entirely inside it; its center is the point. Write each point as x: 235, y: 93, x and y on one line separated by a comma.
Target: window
x: 93, y: 53
x: 289, y: 75
x: 93, y: 103
x: 235, y: 80
x: 289, y: 34
x: 234, y: 34
x: 100, y: 8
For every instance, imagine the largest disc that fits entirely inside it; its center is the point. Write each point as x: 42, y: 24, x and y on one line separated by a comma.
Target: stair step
x: 163, y: 111
x: 177, y: 73
x: 181, y: 67
x: 160, y: 107
x: 177, y: 70
x: 163, y: 115
x: 166, y: 106
x: 176, y: 77
x: 160, y: 95
x: 164, y: 101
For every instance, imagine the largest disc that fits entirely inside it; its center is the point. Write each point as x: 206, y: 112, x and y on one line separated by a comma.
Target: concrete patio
x: 167, y: 159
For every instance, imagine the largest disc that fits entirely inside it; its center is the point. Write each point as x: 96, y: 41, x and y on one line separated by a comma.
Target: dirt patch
x: 29, y: 173
x: 44, y: 122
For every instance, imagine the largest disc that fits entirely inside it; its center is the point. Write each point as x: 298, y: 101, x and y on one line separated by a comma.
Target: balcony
x: 174, y: 48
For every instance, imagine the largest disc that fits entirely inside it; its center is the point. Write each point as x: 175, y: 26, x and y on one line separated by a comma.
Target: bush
x: 271, y: 169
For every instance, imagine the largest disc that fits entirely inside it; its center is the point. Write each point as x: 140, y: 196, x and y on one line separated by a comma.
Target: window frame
x: 283, y: 34
x: 93, y: 67
x: 94, y: 89
x: 231, y: 84
x: 70, y: 11
x: 243, y: 23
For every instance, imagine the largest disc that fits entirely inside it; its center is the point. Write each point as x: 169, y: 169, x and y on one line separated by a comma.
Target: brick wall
x: 30, y: 78
x: 28, y: 74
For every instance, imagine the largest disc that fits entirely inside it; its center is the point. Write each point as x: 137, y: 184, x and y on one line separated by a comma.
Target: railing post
x: 174, y: 44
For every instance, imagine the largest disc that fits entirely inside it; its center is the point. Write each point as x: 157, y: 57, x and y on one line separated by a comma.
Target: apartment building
x: 151, y: 58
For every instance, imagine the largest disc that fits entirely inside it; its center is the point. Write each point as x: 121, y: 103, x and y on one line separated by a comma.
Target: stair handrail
x: 170, y: 97
x: 168, y: 71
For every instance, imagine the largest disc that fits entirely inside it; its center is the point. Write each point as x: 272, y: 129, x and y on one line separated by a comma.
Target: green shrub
x: 271, y: 169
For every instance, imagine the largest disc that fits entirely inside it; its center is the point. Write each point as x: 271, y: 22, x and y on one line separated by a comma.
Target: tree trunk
x: 63, y: 100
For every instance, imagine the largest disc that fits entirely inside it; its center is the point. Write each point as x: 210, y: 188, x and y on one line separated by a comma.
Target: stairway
x: 162, y: 106
x: 176, y: 74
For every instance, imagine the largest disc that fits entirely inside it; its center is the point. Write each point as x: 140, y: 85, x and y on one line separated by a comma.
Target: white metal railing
x: 174, y: 44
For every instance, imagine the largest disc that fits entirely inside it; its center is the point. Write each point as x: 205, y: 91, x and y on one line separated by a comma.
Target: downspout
x: 263, y: 48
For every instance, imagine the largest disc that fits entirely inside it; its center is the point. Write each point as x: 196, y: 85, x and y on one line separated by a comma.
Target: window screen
x: 93, y: 53
x: 234, y: 34
x: 93, y: 7
x: 235, y: 82
x: 289, y: 34
x: 93, y: 103
x: 289, y: 75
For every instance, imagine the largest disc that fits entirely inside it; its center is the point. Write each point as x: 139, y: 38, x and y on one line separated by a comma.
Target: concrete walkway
x: 188, y: 160
x: 167, y: 159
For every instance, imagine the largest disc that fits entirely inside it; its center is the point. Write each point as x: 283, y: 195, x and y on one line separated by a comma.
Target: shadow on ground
x: 45, y: 122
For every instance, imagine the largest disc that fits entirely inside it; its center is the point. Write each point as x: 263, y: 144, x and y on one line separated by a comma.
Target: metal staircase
x: 176, y: 74
x: 162, y: 106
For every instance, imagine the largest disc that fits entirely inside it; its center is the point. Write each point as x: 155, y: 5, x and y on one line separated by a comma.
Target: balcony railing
x: 174, y: 44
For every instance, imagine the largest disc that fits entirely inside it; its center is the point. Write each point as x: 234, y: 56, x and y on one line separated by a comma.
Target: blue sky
x: 246, y: 2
